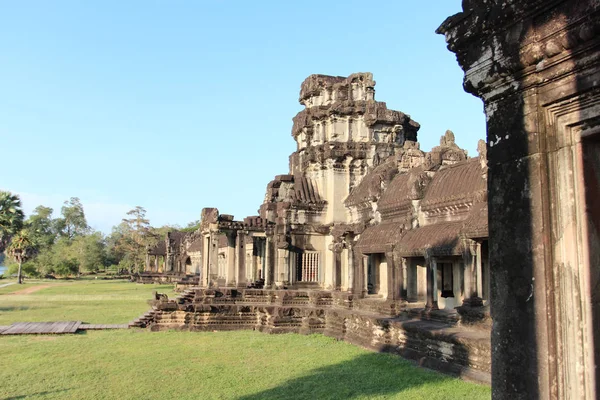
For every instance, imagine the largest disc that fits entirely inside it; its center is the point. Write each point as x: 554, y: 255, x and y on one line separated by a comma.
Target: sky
x: 179, y: 105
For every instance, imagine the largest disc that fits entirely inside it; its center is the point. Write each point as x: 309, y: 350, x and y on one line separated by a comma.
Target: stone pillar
x: 156, y: 263
x: 268, y: 263
x: 282, y: 268
x: 536, y: 66
x: 230, y: 279
x: 240, y: 244
x: 214, y: 260
x: 206, y: 253
x: 404, y: 287
x: 469, y: 276
x: 432, y: 289
x: 351, y: 268
x: 478, y: 270
x: 365, y: 275
x: 147, y: 263
x: 393, y: 278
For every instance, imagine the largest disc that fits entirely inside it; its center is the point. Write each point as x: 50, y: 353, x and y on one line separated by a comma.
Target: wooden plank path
x: 96, y: 327
x: 30, y: 328
x: 59, y: 327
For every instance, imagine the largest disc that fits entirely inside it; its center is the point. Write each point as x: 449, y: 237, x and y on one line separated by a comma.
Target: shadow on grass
x: 14, y: 308
x: 41, y: 394
x: 368, y: 375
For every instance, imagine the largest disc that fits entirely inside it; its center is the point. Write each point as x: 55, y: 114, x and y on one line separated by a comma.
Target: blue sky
x: 180, y: 105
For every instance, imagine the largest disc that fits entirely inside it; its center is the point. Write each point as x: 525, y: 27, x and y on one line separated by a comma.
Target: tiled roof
x: 379, y: 238
x: 438, y: 239
x: 398, y: 192
x: 370, y: 187
x: 476, y: 226
x: 454, y: 184
x: 160, y: 249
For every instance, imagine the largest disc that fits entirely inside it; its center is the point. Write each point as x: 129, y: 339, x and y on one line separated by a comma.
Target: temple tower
x: 341, y: 133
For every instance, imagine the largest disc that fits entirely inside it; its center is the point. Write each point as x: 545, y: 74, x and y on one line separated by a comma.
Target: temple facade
x: 361, y: 210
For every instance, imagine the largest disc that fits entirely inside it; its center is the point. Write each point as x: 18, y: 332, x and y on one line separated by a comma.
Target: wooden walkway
x: 96, y: 327
x: 30, y: 328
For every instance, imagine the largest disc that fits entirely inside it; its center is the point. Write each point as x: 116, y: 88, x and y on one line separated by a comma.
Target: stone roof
x: 379, y: 238
x: 159, y: 250
x: 455, y: 184
x: 438, y: 240
x: 305, y: 191
x: 476, y: 225
x: 370, y: 187
x: 402, y: 190
x: 177, y: 237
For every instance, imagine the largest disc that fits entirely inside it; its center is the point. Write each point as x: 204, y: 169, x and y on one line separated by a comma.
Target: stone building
x: 364, y: 221
x: 362, y: 210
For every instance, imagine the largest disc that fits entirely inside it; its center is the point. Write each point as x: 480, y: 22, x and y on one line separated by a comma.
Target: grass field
x: 138, y: 364
x: 130, y: 364
x: 92, y: 301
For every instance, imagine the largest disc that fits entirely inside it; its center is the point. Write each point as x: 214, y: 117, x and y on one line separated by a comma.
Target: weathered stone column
x: 240, y: 265
x: 536, y: 66
x: 351, y: 267
x: 478, y: 270
x: 148, y: 262
x: 230, y: 279
x: 214, y: 259
x: 282, y: 268
x: 404, y: 287
x: 431, y: 265
x: 206, y: 246
x: 393, y: 280
x: 365, y: 275
x: 469, y: 277
x: 268, y: 263
x: 156, y: 262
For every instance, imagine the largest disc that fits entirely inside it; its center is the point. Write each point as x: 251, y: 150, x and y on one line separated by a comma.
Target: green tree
x: 21, y: 248
x: 73, y: 222
x: 89, y: 251
x: 11, y: 217
x: 40, y: 226
x: 137, y: 235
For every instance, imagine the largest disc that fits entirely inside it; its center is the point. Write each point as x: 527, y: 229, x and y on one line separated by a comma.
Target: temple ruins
x: 366, y: 238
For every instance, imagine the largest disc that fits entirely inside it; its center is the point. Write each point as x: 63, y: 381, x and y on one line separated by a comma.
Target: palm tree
x: 11, y: 217
x: 21, y: 248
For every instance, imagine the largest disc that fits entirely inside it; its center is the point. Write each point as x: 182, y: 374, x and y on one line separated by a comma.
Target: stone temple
x: 366, y: 238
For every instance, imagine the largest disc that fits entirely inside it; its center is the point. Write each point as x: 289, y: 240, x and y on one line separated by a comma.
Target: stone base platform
x: 446, y: 346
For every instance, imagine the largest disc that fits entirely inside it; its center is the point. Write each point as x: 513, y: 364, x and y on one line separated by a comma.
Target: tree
x: 11, y: 217
x: 73, y: 222
x: 89, y: 251
x: 20, y: 249
x: 40, y: 226
x: 137, y: 235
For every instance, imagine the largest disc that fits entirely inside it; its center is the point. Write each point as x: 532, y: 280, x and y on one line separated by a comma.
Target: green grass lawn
x: 136, y: 364
x: 92, y: 301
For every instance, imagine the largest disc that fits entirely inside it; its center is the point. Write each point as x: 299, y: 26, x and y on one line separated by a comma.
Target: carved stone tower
x: 341, y: 133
